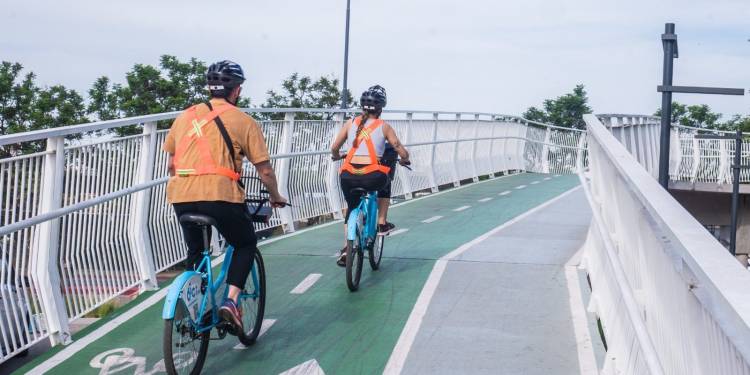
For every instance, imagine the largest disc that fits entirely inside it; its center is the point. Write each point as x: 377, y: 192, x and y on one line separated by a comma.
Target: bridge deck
x: 493, y: 307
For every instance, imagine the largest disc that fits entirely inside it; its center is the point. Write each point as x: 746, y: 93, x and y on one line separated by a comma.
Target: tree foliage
x: 698, y: 116
x: 299, y: 91
x: 24, y: 106
x: 566, y: 111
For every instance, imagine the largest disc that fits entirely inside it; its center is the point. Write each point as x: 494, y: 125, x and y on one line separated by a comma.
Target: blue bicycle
x: 362, y: 233
x: 192, y: 304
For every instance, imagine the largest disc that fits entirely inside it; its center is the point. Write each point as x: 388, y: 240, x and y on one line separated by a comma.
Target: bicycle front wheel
x: 253, y: 302
x: 375, y: 252
x: 184, y: 349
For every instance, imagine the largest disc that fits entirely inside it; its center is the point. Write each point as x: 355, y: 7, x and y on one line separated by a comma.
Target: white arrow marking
x: 461, y: 208
x: 310, y: 367
x: 309, y: 281
x: 505, y: 192
x: 264, y: 327
x: 432, y: 219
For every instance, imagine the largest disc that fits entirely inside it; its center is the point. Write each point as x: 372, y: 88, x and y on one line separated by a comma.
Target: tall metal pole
x: 346, y: 59
x: 669, y: 41
x: 735, y: 191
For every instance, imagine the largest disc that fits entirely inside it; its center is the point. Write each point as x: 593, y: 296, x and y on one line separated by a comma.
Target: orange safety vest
x: 364, y: 135
x: 206, y: 164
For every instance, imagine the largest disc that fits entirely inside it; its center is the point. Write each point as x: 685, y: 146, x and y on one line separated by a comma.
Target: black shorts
x: 370, y: 182
x: 233, y: 222
x: 389, y: 160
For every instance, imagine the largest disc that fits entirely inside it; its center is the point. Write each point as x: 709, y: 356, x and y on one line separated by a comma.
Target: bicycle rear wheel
x: 354, y: 260
x: 375, y: 252
x: 253, y: 302
x: 184, y: 349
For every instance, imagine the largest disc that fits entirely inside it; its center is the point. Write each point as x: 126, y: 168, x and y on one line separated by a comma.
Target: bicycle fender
x: 351, y: 225
x: 186, y: 287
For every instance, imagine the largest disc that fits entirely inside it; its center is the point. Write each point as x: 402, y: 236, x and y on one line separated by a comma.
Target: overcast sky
x: 471, y: 55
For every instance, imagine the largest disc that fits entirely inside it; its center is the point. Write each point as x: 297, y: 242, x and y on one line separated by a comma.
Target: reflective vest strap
x: 374, y: 166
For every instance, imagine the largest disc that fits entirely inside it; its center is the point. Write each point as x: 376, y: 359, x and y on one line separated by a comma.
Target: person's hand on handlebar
x: 278, y: 201
x: 336, y: 156
x: 404, y: 162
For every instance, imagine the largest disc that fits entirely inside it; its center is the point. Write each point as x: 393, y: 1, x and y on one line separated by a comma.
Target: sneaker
x: 232, y: 313
x: 341, y: 261
x: 386, y: 228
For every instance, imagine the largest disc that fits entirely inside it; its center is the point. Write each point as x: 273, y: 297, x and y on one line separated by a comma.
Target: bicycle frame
x: 189, y: 288
x: 368, y: 205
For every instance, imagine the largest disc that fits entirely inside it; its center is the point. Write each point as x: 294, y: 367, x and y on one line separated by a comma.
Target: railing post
x: 433, y: 174
x: 454, y: 163
x: 282, y: 171
x: 696, y: 160
x: 332, y: 189
x: 545, y: 150
x: 493, y: 169
x: 403, y: 176
x: 675, y: 155
x: 139, y: 236
x: 580, y: 151
x: 46, y: 246
x: 475, y: 171
x: 724, y: 162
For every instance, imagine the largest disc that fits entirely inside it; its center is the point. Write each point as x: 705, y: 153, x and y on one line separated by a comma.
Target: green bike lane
x: 344, y: 332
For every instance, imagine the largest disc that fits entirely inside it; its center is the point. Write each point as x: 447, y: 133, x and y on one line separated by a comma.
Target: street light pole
x: 346, y: 59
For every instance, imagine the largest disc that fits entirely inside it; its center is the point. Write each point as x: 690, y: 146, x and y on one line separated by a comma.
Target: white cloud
x: 483, y: 55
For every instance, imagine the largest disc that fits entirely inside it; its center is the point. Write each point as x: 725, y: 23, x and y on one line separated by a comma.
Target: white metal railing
x: 670, y: 298
x: 86, y: 221
x: 690, y: 159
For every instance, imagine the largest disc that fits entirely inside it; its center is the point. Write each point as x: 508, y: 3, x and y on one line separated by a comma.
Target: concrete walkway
x: 503, y: 305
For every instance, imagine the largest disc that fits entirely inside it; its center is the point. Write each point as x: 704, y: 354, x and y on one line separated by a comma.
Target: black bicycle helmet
x: 224, y: 75
x: 373, y: 99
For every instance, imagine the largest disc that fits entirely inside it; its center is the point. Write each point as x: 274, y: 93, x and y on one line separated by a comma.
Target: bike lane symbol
x: 124, y: 360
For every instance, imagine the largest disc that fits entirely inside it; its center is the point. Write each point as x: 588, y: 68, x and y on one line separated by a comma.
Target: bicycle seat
x: 358, y: 191
x: 197, y: 219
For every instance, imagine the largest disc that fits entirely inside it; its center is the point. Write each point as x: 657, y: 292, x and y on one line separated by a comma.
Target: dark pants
x: 234, y: 224
x: 374, y: 181
x: 389, y: 160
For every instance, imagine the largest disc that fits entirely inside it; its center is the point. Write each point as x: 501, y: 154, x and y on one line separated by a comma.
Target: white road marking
x: 505, y: 192
x: 461, y: 208
x: 398, y: 357
x: 264, y: 327
x: 519, y: 187
x: 535, y: 182
x: 398, y: 231
x: 586, y: 360
x: 305, y: 284
x: 310, y: 367
x: 547, y: 178
x: 432, y: 219
x: 485, y: 200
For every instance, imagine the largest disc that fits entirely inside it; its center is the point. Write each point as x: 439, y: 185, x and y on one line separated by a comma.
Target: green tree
x: 300, y: 91
x: 566, y: 111
x: 24, y: 106
x: 173, y: 86
x: 698, y: 116
x: 737, y: 122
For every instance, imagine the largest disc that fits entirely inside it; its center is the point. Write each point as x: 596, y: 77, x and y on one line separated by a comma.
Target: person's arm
x: 169, y: 148
x: 392, y: 138
x: 268, y: 178
x: 339, y: 141
x: 170, y: 165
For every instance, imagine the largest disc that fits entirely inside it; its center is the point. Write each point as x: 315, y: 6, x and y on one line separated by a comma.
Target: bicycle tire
x: 375, y: 252
x: 354, y: 262
x: 249, y: 337
x: 169, y: 356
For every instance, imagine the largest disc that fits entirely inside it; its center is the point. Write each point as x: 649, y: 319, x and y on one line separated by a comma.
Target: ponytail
x: 364, y: 118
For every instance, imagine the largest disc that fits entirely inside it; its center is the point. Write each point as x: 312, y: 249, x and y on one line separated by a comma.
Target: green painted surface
x: 347, y: 333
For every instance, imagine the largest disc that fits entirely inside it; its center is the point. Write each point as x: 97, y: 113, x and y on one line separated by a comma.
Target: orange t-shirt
x: 247, y: 140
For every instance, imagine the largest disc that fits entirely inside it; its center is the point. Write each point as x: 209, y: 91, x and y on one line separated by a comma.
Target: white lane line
x: 586, y: 360
x: 535, y: 182
x: 398, y: 231
x: 432, y: 219
x: 305, y: 284
x: 461, y: 208
x: 505, y: 192
x: 484, y: 200
x: 519, y: 187
x: 398, y: 357
x: 547, y: 178
x: 267, y: 323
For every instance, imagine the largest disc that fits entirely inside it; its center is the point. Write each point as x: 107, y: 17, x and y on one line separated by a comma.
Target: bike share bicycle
x: 362, y: 233
x: 192, y: 304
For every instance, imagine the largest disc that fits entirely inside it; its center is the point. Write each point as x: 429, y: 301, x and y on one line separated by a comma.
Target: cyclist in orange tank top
x: 362, y: 166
